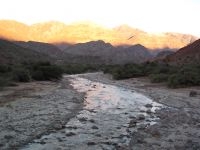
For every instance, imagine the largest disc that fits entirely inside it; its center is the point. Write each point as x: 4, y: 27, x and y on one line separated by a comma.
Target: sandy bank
x: 33, y: 109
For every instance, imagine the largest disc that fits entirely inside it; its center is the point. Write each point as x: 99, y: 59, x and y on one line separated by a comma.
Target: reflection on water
x: 104, y: 121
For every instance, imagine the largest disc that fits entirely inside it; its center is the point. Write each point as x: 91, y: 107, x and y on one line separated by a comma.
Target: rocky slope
x: 12, y: 53
x: 57, y: 32
x: 106, y: 53
x: 187, y: 55
x: 43, y: 48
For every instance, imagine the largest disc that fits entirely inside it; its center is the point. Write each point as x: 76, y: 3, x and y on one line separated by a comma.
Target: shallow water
x: 104, y: 121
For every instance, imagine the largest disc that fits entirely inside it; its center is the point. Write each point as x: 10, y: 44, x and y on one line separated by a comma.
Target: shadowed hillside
x: 106, y: 53
x: 43, y: 48
x: 187, y: 55
x: 11, y: 53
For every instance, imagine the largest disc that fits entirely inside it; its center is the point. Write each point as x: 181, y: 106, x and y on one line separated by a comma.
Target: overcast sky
x: 149, y: 15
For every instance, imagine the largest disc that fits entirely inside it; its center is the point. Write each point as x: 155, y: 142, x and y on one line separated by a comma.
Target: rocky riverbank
x: 179, y: 124
x: 30, y: 110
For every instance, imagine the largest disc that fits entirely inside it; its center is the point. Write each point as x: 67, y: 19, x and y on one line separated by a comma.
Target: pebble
x: 70, y: 134
x: 149, y: 105
x: 95, y: 127
x: 71, y: 127
x: 8, y: 137
x: 42, y: 142
x: 92, y: 120
x: 132, y: 123
x: 82, y: 119
x: 91, y: 143
x: 140, y: 117
x: 149, y: 111
x: 193, y: 94
x: 142, y: 127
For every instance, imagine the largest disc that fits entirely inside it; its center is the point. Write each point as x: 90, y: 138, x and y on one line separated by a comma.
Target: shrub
x: 21, y: 75
x: 38, y: 75
x: 126, y: 71
x: 47, y: 72
x: 158, y: 78
x: 3, y: 82
x: 5, y: 68
x: 79, y: 68
x: 184, y: 79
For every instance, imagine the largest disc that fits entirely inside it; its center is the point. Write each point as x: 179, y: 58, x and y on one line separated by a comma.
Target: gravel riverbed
x: 92, y: 111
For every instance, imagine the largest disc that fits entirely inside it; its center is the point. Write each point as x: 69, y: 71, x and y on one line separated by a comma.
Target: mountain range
x: 105, y: 52
x: 63, y: 35
x: 82, y: 43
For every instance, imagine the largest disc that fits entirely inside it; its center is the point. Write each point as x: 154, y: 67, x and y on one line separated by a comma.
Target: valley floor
x: 34, y: 109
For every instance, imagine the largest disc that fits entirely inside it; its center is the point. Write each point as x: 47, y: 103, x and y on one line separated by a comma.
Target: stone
x: 82, y: 119
x: 98, y: 135
x: 70, y: 134
x: 155, y: 133
x: 8, y: 137
x: 193, y: 94
x: 149, y: 111
x: 141, y: 117
x: 149, y: 105
x: 71, y: 127
x: 142, y: 127
x: 42, y: 142
x: 95, y: 127
x: 92, y: 120
x: 132, y: 123
x: 91, y: 143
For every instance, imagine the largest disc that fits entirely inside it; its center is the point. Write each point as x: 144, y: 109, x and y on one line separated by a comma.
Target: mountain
x: 99, y: 52
x: 164, y: 54
x: 187, y: 55
x: 133, y: 54
x: 44, y: 48
x: 82, y: 32
x: 11, y: 53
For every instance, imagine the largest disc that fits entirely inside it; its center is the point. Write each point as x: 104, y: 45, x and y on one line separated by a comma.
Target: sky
x: 149, y: 15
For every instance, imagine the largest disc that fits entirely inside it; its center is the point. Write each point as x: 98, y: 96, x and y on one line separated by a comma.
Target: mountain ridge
x: 58, y: 32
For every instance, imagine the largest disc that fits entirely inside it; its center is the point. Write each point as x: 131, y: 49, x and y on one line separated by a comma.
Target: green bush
x: 38, y: 75
x: 5, y: 68
x: 158, y: 78
x: 47, y: 72
x: 125, y: 71
x: 3, y: 82
x: 79, y: 68
x: 184, y: 79
x: 21, y: 75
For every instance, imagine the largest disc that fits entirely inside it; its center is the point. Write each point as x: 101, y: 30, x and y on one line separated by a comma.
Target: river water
x: 104, y: 122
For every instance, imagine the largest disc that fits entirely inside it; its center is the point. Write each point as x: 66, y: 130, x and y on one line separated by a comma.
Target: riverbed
x: 109, y: 117
x: 93, y: 111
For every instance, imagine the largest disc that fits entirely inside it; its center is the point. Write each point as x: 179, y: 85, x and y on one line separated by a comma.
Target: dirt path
x: 33, y: 109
